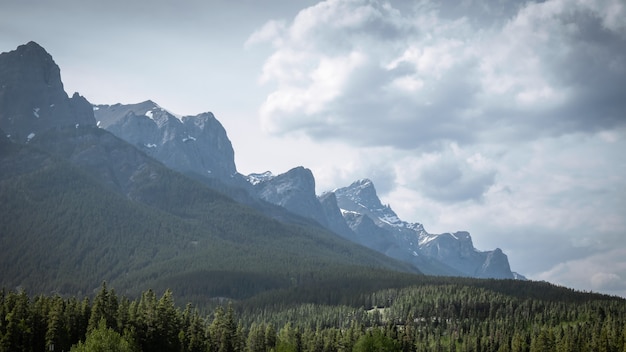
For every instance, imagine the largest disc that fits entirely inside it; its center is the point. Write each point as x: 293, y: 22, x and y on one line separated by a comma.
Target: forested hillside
x: 64, y: 230
x: 435, y: 315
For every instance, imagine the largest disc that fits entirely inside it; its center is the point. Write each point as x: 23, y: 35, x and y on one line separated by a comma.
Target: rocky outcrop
x: 32, y: 96
x: 188, y: 144
x: 295, y: 191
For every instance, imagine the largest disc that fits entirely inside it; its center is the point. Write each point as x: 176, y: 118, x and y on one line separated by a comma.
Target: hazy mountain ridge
x: 165, y: 136
x: 80, y: 205
x: 356, y: 213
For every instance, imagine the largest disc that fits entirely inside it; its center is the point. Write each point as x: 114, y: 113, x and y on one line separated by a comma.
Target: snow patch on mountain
x: 256, y: 178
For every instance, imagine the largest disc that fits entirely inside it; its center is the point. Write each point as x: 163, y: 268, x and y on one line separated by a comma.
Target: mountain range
x: 137, y: 196
x: 199, y: 144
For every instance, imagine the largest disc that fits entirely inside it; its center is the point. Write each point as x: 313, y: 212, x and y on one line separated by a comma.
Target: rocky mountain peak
x: 189, y: 144
x: 361, y: 193
x: 446, y: 253
x: 32, y: 96
x: 295, y: 191
x: 33, y: 62
x: 361, y: 197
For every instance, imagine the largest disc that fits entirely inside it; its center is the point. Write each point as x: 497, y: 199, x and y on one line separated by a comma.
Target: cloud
x: 368, y: 73
x: 270, y: 31
x: 604, y: 272
x: 545, y: 202
x: 449, y: 175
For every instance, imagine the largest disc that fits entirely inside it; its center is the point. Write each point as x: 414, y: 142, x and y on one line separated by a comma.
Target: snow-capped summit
x: 440, y: 254
x: 361, y: 197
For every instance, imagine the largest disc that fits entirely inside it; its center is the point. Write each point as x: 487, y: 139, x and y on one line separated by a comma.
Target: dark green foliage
x: 433, y: 316
x: 63, y: 230
x: 103, y: 339
x: 376, y: 341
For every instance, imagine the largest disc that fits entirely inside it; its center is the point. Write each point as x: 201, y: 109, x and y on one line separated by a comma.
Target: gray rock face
x: 295, y: 191
x: 35, y: 109
x: 457, y: 251
x: 32, y: 96
x: 377, y: 226
x: 189, y: 144
x: 334, y: 218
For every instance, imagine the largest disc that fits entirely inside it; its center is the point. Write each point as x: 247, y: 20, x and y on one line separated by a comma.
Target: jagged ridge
x: 454, y: 250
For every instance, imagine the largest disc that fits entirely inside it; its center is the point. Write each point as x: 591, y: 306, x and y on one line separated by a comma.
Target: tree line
x: 431, y: 317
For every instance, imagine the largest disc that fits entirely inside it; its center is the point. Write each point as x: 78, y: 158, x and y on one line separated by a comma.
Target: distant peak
x: 299, y: 170
x: 33, y: 44
x: 34, y: 60
x: 32, y: 49
x: 363, y: 182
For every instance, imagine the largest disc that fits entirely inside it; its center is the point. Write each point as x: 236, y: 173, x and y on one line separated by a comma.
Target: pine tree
x: 105, y: 306
x: 103, y: 339
x: 223, y: 330
x: 167, y: 324
x: 56, y: 333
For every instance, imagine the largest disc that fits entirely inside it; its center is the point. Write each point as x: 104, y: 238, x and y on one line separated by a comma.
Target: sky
x: 503, y: 118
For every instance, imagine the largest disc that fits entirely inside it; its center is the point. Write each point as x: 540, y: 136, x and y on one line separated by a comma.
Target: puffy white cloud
x: 366, y: 72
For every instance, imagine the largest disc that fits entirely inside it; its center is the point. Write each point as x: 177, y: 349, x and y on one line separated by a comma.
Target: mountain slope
x: 197, y: 146
x: 65, y: 230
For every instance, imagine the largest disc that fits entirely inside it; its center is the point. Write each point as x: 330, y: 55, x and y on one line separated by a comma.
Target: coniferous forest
x: 439, y: 314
